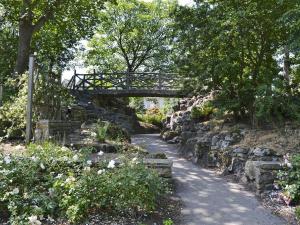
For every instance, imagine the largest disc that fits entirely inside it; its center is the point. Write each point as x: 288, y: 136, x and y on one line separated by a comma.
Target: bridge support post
x: 74, y: 83
x: 94, y: 80
x: 159, y: 81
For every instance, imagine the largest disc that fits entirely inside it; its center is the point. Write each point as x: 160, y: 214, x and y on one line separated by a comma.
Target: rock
x: 260, y: 152
x: 237, y: 166
x: 201, y: 152
x: 262, y: 173
x: 162, y: 166
x: 241, y: 150
x: 185, y: 136
x: 175, y: 140
x: 169, y: 135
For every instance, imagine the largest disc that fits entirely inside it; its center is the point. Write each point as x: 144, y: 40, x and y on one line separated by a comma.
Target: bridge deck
x: 134, y: 93
x: 122, y: 84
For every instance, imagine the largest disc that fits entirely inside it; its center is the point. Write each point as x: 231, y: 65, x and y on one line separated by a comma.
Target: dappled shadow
x: 207, y: 198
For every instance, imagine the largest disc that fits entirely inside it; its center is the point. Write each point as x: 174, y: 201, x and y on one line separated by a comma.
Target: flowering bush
x: 289, y: 178
x: 153, y: 116
x: 56, y: 182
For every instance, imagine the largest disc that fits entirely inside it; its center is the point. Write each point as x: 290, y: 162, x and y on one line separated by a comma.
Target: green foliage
x: 243, y: 51
x: 137, y: 103
x: 289, y: 179
x: 169, y: 103
x: 56, y: 182
x: 297, y: 212
x: 203, y: 112
x: 12, y: 113
x: 168, y: 222
x: 47, y: 95
x: 132, y: 35
x: 153, y: 116
x: 277, y: 106
x: 45, y: 23
x: 110, y: 131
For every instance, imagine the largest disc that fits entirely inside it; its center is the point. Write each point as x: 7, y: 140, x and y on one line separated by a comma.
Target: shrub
x: 297, y: 213
x: 58, y: 182
x: 153, y: 116
x: 12, y: 113
x: 202, y: 112
x: 110, y: 131
x: 289, y: 179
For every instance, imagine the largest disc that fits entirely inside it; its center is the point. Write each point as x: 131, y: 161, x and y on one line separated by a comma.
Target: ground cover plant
x: 51, y: 182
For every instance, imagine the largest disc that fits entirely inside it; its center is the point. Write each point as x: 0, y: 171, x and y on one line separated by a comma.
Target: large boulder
x: 261, y: 174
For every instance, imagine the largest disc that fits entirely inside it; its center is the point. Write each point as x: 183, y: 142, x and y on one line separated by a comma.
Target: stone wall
x: 55, y: 129
x: 220, y: 144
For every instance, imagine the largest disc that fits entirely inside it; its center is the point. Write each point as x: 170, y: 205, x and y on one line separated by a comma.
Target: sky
x: 67, y: 74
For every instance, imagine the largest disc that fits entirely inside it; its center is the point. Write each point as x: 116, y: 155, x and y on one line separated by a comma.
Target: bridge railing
x: 125, y: 81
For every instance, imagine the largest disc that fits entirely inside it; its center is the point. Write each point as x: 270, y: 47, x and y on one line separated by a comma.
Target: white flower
x: 33, y: 220
x: 64, y: 148
x: 50, y: 219
x: 65, y: 158
x: 75, y: 157
x: 42, y: 166
x: 71, y: 144
x: 111, y: 164
x: 7, y: 159
x: 100, y: 171
x: 59, y: 176
x: 15, y: 191
x: 87, y: 168
x: 70, y: 179
x: 89, y: 162
x: 34, y: 158
x: 100, y: 153
x: 135, y: 160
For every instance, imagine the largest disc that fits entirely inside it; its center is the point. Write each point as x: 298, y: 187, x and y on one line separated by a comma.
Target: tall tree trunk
x: 25, y: 36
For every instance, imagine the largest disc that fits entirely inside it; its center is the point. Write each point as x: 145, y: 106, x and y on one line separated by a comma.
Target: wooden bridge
x: 122, y: 84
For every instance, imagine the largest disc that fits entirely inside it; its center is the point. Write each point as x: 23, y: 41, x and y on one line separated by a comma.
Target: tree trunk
x: 25, y: 36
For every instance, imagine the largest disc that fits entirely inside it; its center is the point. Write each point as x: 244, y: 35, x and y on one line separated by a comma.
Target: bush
x: 289, y: 179
x: 276, y: 106
x: 110, y: 131
x: 56, y: 182
x: 153, y: 116
x: 13, y: 111
x: 297, y: 213
x: 202, y: 112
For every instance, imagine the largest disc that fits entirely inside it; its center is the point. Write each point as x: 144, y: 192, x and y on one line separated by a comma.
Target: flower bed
x: 52, y: 182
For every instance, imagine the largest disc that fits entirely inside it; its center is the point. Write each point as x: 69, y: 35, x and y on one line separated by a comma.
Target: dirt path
x: 208, y: 199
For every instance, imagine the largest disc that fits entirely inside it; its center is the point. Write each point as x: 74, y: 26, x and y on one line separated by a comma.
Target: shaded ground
x: 208, y: 199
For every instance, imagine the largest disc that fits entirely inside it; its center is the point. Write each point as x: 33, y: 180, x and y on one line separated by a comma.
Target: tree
x: 131, y: 36
x: 32, y: 15
x: 233, y: 47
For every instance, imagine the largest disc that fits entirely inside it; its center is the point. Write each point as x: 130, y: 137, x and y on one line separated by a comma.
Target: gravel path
x: 208, y: 199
